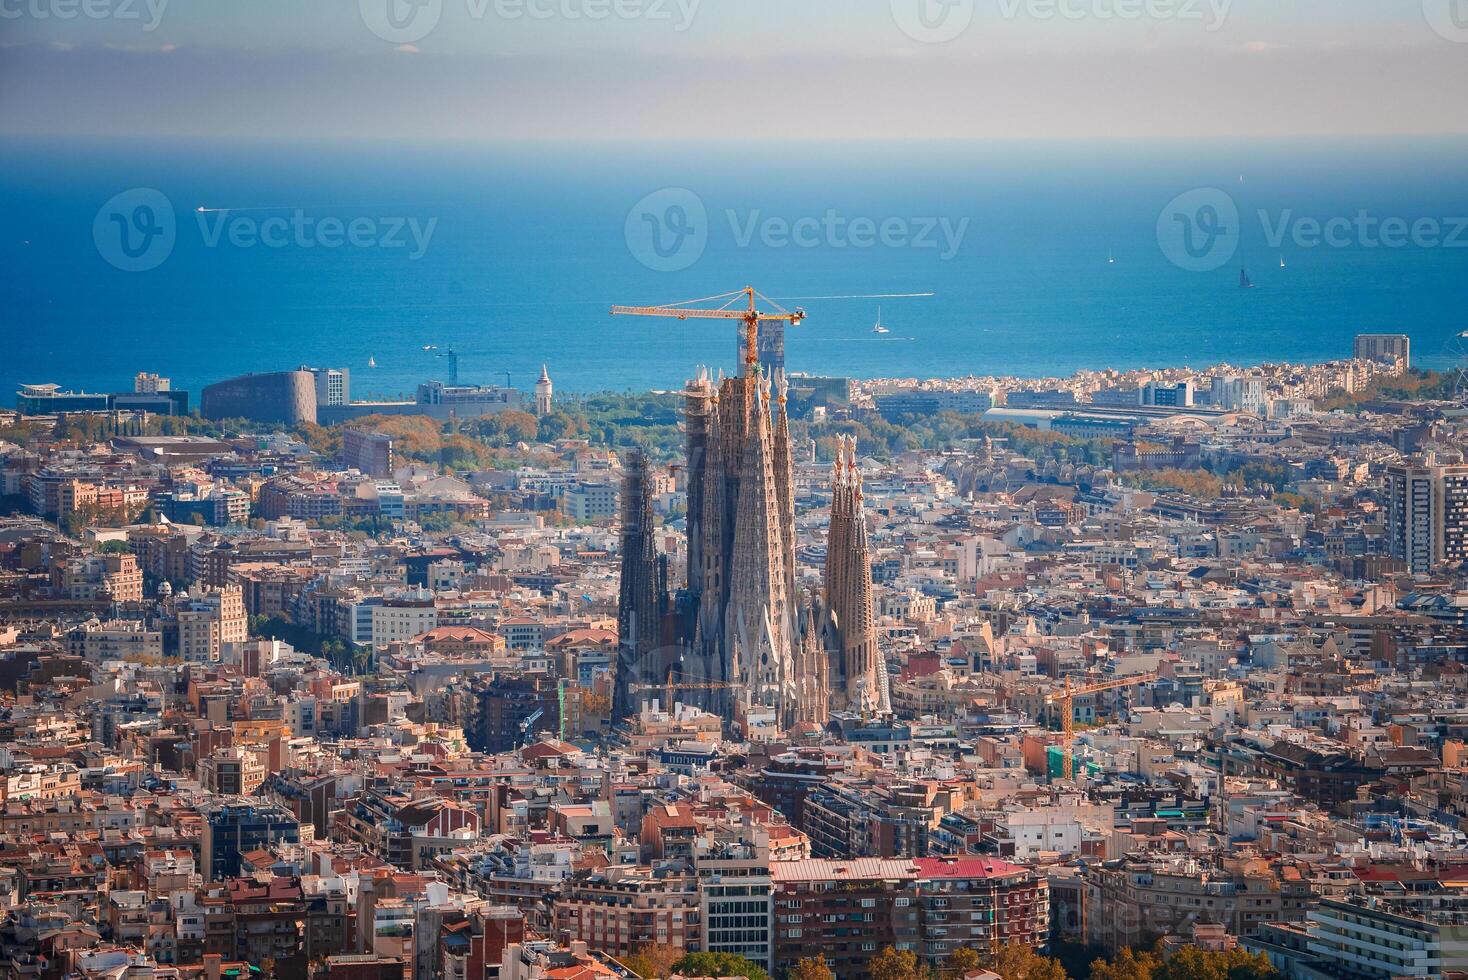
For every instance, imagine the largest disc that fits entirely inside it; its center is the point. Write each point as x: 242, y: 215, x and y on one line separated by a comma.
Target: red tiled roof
x: 969, y: 867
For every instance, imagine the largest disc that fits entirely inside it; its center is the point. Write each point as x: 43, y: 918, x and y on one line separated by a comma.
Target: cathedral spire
x: 858, y: 685
x: 640, y: 605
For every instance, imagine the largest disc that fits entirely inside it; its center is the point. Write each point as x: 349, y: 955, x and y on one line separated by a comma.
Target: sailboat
x: 1281, y: 262
x: 372, y: 362
x: 1110, y: 257
x: 879, y: 328
x: 1244, y: 281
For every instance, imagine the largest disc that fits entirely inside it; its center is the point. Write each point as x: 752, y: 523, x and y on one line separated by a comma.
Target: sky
x: 674, y: 70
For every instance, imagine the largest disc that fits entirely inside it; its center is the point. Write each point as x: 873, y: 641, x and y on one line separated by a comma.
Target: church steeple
x: 858, y: 684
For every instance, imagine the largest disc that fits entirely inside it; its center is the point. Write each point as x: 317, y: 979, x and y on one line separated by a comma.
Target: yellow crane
x: 751, y: 315
x: 676, y: 683
x: 1066, y: 699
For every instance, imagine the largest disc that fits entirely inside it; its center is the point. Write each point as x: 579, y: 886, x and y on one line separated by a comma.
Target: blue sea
x: 1034, y: 258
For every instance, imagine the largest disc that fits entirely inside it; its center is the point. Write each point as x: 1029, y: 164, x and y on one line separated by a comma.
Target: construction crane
x: 1066, y: 699
x: 525, y: 726
x: 752, y: 316
x: 674, y: 683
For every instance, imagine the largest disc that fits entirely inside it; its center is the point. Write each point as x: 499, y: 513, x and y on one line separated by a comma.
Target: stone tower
x: 857, y: 673
x: 543, y: 392
x: 642, y: 601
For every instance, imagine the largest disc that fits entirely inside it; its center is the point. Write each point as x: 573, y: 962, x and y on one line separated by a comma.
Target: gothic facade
x: 744, y: 638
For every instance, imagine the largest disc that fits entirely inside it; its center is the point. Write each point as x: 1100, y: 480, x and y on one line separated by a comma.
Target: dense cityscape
x: 1124, y: 674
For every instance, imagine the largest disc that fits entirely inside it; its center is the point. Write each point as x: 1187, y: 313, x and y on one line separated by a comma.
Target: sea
x: 201, y: 261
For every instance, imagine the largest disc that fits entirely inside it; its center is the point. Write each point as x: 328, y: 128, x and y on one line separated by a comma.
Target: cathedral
x: 746, y: 639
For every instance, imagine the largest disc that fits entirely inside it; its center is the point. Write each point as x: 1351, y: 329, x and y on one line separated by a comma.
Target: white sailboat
x: 1281, y: 262
x: 1110, y: 257
x: 879, y: 328
x: 372, y: 362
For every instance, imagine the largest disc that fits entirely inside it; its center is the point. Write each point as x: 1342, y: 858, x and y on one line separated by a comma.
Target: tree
x: 1127, y: 964
x: 654, y: 960
x: 810, y: 968
x: 1018, y: 962
x: 962, y: 961
x: 520, y: 426
x: 897, y: 964
x: 1192, y: 963
x: 719, y: 965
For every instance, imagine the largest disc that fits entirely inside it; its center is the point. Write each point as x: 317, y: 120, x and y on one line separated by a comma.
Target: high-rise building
x: 208, y: 621
x: 333, y: 385
x: 770, y: 346
x: 235, y: 828
x: 1387, y: 347
x: 1451, y: 526
x: 1409, y: 493
x: 1427, y: 514
x: 1169, y: 396
x: 369, y: 452
x: 510, y: 710
x: 1239, y: 394
x: 146, y: 383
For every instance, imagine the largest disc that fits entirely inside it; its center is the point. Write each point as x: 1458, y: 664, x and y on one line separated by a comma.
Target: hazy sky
x: 760, y: 69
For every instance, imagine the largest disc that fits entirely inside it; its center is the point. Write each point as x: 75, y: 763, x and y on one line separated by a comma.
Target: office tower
x: 1387, y: 347
x: 1170, y: 396
x: 770, y: 346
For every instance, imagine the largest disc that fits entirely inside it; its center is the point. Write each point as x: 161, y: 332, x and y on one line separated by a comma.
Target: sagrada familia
x: 746, y: 638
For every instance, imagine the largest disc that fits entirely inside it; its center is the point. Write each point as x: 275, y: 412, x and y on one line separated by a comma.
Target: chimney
x: 211, y: 966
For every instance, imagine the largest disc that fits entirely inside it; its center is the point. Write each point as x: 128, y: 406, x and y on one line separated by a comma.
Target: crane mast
x: 1066, y: 699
